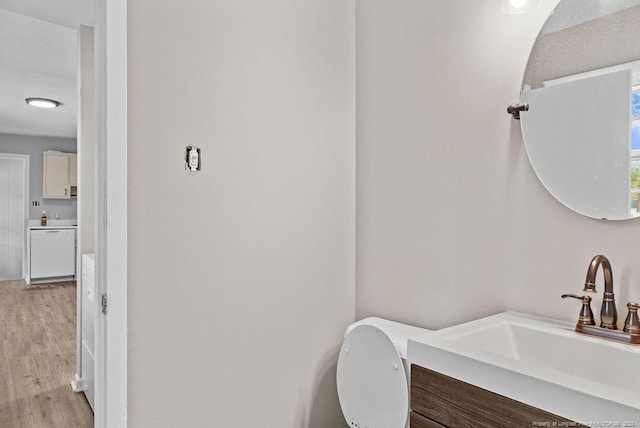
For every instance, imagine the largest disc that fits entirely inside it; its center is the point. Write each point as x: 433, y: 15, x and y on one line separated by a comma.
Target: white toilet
x: 372, y: 374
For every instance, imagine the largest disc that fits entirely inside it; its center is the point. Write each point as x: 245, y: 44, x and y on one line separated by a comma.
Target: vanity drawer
x: 453, y: 403
x: 419, y: 421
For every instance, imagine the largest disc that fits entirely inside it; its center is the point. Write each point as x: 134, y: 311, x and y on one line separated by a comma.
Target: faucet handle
x: 632, y: 323
x: 586, y: 315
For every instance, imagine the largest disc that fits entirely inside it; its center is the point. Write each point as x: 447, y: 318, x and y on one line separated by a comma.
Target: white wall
x: 453, y: 224
x: 34, y: 147
x: 241, y: 279
x: 70, y: 13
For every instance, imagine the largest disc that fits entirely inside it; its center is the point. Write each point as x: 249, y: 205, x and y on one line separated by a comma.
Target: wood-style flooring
x: 38, y: 357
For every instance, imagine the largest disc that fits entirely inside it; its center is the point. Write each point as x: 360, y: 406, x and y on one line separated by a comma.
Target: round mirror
x: 582, y: 85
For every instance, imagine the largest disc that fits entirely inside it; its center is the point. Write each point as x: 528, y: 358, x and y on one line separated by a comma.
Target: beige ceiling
x: 38, y: 58
x: 570, y: 13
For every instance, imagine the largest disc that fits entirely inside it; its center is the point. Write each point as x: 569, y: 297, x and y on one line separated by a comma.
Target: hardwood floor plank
x: 37, y: 357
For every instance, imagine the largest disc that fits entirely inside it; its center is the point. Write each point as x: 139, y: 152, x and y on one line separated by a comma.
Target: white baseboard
x: 51, y: 280
x: 77, y: 384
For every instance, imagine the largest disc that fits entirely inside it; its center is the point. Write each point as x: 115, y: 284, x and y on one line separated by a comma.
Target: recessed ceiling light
x: 42, y: 102
x: 518, y: 6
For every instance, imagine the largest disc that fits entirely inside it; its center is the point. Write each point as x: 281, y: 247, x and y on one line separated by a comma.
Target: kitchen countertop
x: 52, y: 227
x: 34, y: 224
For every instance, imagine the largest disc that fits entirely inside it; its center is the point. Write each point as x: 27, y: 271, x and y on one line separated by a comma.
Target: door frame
x: 111, y: 195
x: 26, y: 160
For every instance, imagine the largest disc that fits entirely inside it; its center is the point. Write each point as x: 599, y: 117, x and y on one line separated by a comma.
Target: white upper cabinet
x: 73, y: 170
x: 59, y: 175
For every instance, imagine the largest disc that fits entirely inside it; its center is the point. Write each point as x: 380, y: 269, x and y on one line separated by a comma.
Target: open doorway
x: 45, y: 52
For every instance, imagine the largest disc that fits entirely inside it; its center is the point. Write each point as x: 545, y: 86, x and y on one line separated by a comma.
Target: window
x: 635, y: 148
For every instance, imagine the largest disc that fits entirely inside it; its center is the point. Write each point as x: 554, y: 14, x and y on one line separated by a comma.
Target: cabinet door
x: 56, y: 176
x: 73, y: 170
x: 453, y: 403
x: 419, y: 421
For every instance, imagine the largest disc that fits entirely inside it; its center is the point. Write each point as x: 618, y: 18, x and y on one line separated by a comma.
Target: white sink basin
x: 540, y: 362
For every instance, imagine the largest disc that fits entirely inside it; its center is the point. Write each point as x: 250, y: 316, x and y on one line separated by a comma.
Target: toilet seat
x: 372, y: 384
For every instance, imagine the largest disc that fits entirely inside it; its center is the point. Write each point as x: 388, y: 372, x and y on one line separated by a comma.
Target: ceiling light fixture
x: 42, y: 102
x: 518, y: 6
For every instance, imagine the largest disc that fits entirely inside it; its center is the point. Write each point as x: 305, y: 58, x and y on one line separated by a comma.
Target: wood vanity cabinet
x: 419, y: 421
x: 439, y: 401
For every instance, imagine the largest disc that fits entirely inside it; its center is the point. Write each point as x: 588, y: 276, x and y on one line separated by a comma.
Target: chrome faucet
x: 608, y: 312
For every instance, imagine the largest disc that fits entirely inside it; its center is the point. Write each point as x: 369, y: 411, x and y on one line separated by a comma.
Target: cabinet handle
x: 65, y: 192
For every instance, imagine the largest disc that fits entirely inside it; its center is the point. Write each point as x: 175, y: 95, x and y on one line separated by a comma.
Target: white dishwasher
x: 53, y: 254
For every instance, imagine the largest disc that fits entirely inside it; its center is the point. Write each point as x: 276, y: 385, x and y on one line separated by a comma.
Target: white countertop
x: 51, y: 227
x: 34, y: 224
x: 540, y: 362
